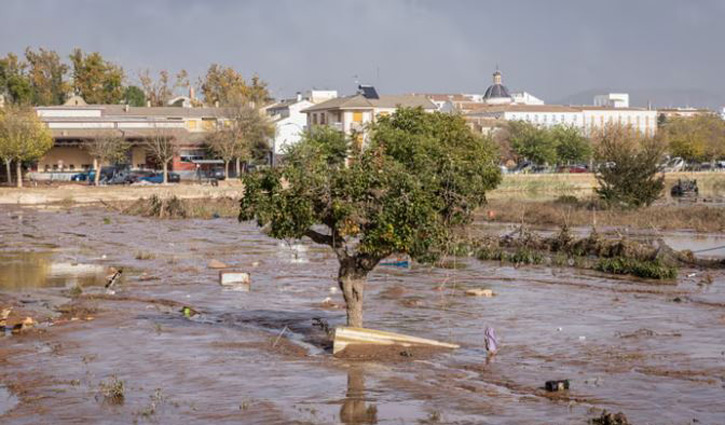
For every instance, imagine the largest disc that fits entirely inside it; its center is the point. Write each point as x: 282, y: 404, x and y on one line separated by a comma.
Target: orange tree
x: 420, y: 177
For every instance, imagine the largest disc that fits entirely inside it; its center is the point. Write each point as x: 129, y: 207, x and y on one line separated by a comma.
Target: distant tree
x: 134, y: 96
x: 245, y: 132
x: 161, y: 90
x: 14, y: 82
x: 23, y: 138
x: 95, y: 79
x: 47, y: 77
x: 106, y: 148
x: 162, y: 146
x: 420, y: 178
x: 629, y: 166
x: 571, y: 145
x: 532, y: 142
x: 258, y: 93
x: 698, y: 138
x: 227, y: 86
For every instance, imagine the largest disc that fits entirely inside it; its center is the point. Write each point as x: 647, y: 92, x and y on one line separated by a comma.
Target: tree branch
x: 320, y: 238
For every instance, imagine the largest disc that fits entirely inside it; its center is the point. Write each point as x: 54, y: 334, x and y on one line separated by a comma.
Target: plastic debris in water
x: 490, y: 340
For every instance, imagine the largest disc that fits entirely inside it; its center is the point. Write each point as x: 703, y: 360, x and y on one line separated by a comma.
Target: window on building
x: 314, y: 119
x: 357, y: 116
x: 562, y: 117
x: 322, y: 118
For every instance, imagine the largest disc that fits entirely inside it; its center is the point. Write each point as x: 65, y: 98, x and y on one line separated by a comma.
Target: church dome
x: 497, y: 93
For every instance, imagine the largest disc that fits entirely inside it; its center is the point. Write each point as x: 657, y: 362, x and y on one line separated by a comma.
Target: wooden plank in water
x: 348, y: 335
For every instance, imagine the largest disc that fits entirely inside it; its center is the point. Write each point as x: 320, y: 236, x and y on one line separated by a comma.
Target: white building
x: 612, y: 100
x: 351, y: 114
x: 289, y: 120
x: 586, y: 118
x: 526, y: 98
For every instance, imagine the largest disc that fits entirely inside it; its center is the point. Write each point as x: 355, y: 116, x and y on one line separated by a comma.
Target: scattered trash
x: 23, y: 326
x: 559, y: 329
x: 4, y: 314
x: 692, y: 275
x: 235, y: 281
x: 582, y: 338
x: 279, y: 336
x: 608, y: 418
x: 345, y: 336
x: 489, y: 339
x: 333, y: 290
x: 322, y: 324
x: 216, y: 264
x: 255, y: 264
x: 112, y: 279
x: 559, y: 385
x: 189, y: 312
x: 400, y: 263
x: 478, y: 292
x: 685, y: 188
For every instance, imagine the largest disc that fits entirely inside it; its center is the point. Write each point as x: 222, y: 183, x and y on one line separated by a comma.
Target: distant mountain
x: 660, y: 98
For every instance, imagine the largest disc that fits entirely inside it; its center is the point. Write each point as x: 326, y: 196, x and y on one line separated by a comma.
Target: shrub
x: 629, y: 165
x: 653, y: 269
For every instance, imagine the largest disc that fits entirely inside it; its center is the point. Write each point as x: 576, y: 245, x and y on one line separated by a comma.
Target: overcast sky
x: 551, y: 48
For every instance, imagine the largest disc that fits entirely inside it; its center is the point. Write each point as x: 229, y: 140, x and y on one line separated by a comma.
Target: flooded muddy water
x: 32, y: 269
x: 654, y: 352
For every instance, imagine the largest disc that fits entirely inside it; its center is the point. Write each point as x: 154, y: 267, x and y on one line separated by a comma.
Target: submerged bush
x: 653, y: 269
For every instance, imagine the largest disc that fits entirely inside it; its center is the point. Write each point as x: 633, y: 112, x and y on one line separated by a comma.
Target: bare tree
x: 106, y: 148
x: 161, y: 144
x: 160, y: 91
x: 244, y: 131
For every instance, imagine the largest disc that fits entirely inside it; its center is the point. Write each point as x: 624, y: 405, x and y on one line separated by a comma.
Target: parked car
x: 159, y: 178
x: 80, y: 177
x: 215, y: 173
x: 522, y: 168
x: 135, y: 175
x: 575, y: 169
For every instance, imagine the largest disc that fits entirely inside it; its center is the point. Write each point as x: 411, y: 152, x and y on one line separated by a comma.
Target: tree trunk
x: 226, y: 168
x: 9, y: 171
x: 166, y: 172
x: 19, y: 170
x: 352, y: 283
x: 97, y: 167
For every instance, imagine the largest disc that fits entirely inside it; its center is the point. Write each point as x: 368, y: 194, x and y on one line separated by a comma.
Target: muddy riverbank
x: 654, y: 352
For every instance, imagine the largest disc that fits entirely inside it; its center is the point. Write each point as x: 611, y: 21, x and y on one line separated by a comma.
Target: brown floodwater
x: 655, y: 352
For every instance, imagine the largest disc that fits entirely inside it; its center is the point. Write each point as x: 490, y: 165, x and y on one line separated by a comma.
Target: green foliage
x: 14, y: 82
x: 134, y: 96
x: 628, y: 176
x: 652, y: 269
x: 532, y: 142
x: 46, y: 74
x: 95, y: 79
x: 698, y: 138
x: 227, y: 86
x: 23, y: 137
x: 571, y: 145
x: 420, y: 177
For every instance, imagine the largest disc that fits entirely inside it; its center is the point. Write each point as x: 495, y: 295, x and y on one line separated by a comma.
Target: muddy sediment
x: 264, y: 356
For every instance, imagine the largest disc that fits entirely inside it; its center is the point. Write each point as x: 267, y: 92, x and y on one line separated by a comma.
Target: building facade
x: 72, y: 125
x: 588, y: 119
x: 351, y: 114
x: 289, y: 119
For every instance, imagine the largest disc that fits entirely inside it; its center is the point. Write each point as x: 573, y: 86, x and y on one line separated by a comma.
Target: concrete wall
x: 65, y: 158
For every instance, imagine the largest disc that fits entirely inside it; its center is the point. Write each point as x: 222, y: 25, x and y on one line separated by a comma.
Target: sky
x: 550, y: 48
